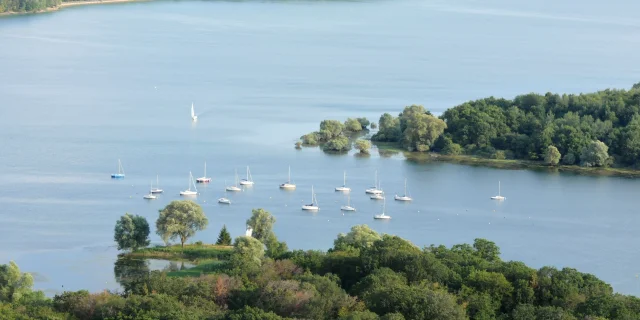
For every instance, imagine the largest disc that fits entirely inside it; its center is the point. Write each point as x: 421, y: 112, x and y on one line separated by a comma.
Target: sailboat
x: 382, y: 216
x: 204, y: 178
x: 379, y: 195
x: 314, y: 203
x: 288, y: 184
x: 348, y: 207
x: 344, y: 187
x: 224, y: 200
x: 249, y: 180
x: 157, y: 188
x: 498, y: 197
x: 150, y: 196
x: 120, y: 173
x: 234, y: 187
x: 405, y: 197
x: 190, y: 192
x: 374, y: 189
x: 193, y: 113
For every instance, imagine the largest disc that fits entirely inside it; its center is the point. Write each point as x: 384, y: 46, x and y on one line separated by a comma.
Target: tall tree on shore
x: 181, y: 219
x: 131, y: 232
x: 224, y: 238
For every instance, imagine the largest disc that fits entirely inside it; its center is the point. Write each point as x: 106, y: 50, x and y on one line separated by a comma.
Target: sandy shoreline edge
x: 71, y: 4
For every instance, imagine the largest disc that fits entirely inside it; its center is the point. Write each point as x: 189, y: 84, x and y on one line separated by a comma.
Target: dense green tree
x: 261, y: 222
x: 131, y: 232
x: 338, y: 144
x: 310, y: 139
x: 224, y: 238
x: 360, y: 236
x: 330, y: 129
x: 595, y: 154
x: 389, y: 129
x: 247, y: 251
x: 552, y: 156
x: 181, y: 219
x: 363, y: 146
x: 364, y: 123
x: 27, y: 5
x: 13, y: 283
x: 421, y: 131
x: 352, y: 125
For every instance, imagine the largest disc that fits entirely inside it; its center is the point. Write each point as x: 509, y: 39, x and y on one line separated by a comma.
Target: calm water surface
x: 85, y: 86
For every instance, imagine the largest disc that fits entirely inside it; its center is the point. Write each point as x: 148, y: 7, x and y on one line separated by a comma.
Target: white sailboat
x: 344, y: 187
x: 150, y: 196
x: 498, y: 197
x: 120, y: 173
x: 379, y: 195
x: 224, y: 200
x: 204, y: 179
x: 190, y: 192
x: 348, y: 207
x: 193, y: 113
x: 314, y: 203
x: 157, y: 188
x: 249, y: 180
x: 374, y: 189
x: 288, y: 184
x: 383, y: 215
x: 235, y: 187
x: 405, y: 197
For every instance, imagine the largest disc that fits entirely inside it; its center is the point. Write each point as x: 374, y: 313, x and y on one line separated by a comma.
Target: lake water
x: 86, y: 86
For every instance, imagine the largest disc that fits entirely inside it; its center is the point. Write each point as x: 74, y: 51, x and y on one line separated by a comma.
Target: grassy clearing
x: 191, y: 252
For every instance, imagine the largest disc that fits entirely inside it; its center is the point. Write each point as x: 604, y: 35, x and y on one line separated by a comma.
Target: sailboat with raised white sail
x: 150, y: 196
x: 157, y: 188
x: 204, y: 179
x: 313, y: 206
x: 375, y: 189
x: 383, y: 215
x: 190, y: 192
x: 120, y: 173
x: 405, y: 197
x: 344, y: 187
x: 288, y: 185
x: 234, y: 187
x: 247, y: 181
x: 348, y: 207
x: 193, y: 113
x: 498, y: 197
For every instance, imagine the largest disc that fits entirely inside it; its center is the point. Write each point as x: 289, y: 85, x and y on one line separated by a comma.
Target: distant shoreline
x: 69, y: 4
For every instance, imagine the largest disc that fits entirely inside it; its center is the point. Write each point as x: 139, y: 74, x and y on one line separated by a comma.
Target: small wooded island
x: 600, y: 129
x: 365, y: 275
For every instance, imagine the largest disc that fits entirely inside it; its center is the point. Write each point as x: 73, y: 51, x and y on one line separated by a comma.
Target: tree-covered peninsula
x: 365, y: 275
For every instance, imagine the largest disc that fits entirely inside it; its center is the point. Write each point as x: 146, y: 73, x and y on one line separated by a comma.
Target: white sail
x: 193, y: 113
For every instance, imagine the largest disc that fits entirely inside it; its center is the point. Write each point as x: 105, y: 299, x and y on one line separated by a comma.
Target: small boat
x: 224, y: 200
x: 348, y: 207
x: 150, y: 196
x: 288, y: 184
x: 382, y: 216
x: 193, y: 113
x: 375, y: 189
x: 204, y: 178
x: 314, y: 203
x: 120, y: 173
x: 344, y: 187
x: 377, y: 196
x: 235, y: 187
x: 248, y: 181
x: 498, y: 197
x: 157, y: 188
x: 190, y: 192
x: 405, y: 197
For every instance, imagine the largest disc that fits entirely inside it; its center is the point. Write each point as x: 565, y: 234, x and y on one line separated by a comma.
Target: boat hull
x: 224, y: 201
x: 150, y: 197
x: 203, y: 180
x: 373, y: 191
x: 377, y: 197
x: 117, y: 175
x: 188, y: 193
x: 287, y: 186
x: 381, y: 217
x: 499, y: 198
x: 347, y: 208
x: 398, y: 198
x: 343, y: 189
x: 157, y: 191
x: 310, y: 208
x: 234, y: 189
x: 246, y: 182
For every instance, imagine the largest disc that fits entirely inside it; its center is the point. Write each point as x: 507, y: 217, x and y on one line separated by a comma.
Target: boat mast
x: 344, y: 182
x: 205, y: 169
x: 405, y: 187
x: 289, y: 180
x: 498, y: 188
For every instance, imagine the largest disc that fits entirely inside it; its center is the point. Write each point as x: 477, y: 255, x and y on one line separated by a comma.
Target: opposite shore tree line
x: 365, y: 276
x: 598, y: 129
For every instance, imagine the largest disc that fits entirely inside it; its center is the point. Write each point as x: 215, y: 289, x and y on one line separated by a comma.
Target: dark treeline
x: 594, y: 129
x: 364, y: 276
x: 27, y: 5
